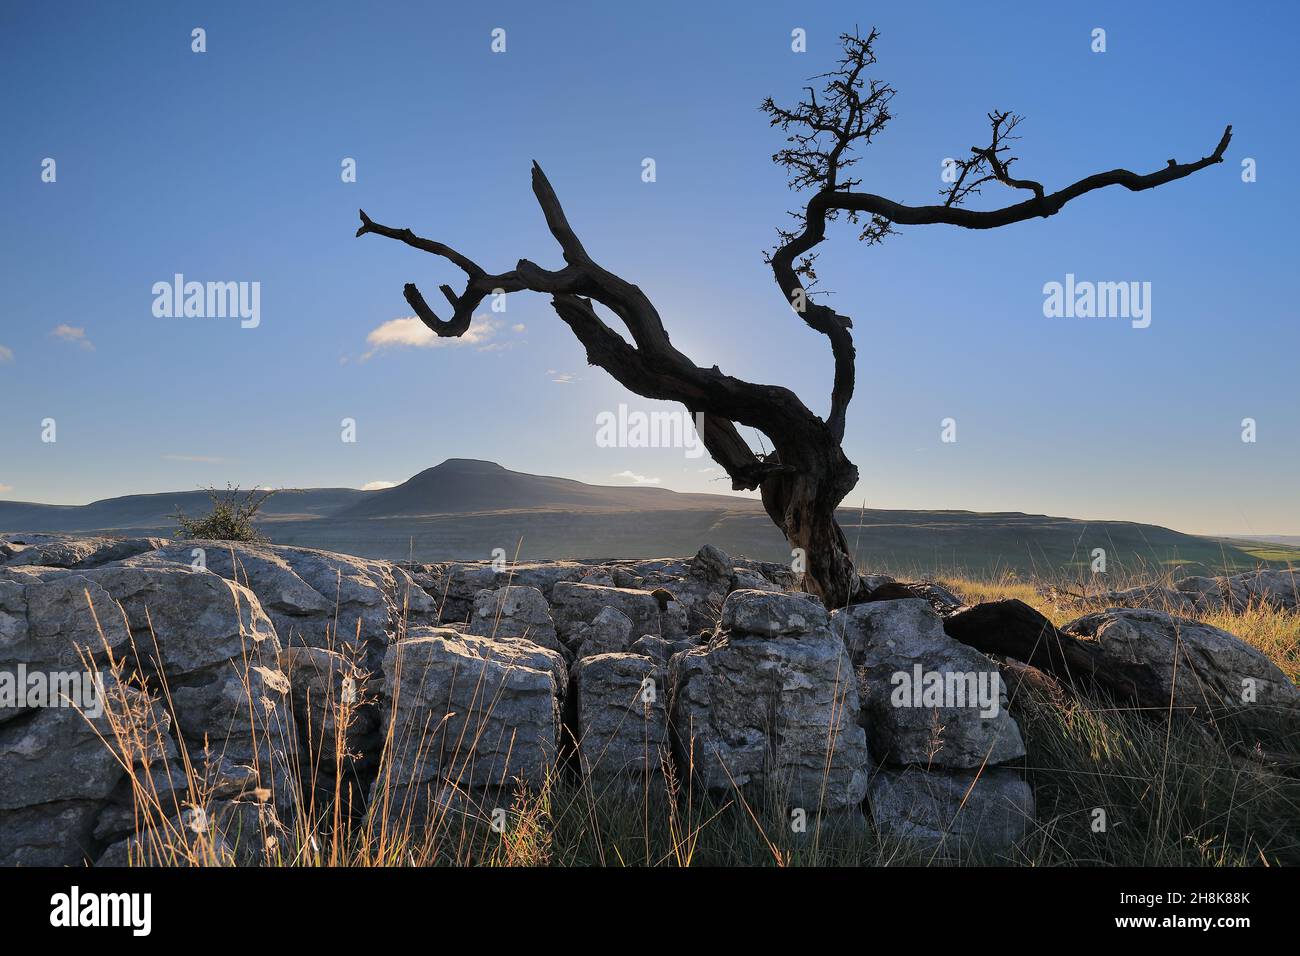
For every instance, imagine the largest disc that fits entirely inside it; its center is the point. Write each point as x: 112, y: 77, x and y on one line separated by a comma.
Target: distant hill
x: 468, y: 486
x: 1288, y: 539
x: 464, y: 508
x: 154, y: 512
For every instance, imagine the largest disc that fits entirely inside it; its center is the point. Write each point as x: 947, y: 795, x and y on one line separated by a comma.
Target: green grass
x: 1279, y: 555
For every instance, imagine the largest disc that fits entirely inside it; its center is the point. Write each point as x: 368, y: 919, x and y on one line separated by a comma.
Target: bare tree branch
x: 650, y: 366
x: 823, y: 135
x: 988, y: 164
x: 1048, y: 205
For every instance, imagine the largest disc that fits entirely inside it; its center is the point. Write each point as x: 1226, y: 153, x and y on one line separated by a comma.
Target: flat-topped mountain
x: 467, y: 509
x: 468, y: 485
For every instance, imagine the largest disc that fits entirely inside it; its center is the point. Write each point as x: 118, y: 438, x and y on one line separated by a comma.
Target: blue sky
x: 225, y: 166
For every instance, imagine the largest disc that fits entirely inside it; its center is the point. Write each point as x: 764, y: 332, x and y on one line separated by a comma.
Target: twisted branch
x: 650, y: 365
x: 824, y: 130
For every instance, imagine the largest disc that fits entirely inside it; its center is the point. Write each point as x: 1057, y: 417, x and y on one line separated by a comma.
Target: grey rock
x: 772, y: 613
x: 698, y: 586
x: 1192, y: 593
x: 57, y: 625
x: 315, y: 598
x: 711, y: 562
x: 515, y: 612
x: 696, y: 602
x: 544, y: 575
x: 575, y: 603
x: 257, y: 744
x: 625, y: 578
x: 56, y: 754
x: 957, y: 813
x: 59, y: 765
x: 901, y: 650
x: 655, y: 648
x: 1214, y: 668
x: 782, y: 575
x: 776, y: 713
x: 747, y: 580
x: 197, y: 620
x: 219, y: 652
x: 682, y: 644
x: 330, y: 696
x: 470, y: 711
x: 50, y: 834
x: 941, y: 598
x: 609, y: 633
x: 621, y: 719
x: 873, y: 581
x: 1277, y: 588
x: 453, y: 585
x: 69, y: 551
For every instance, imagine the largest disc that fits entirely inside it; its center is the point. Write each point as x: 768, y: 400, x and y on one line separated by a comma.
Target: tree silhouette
x: 806, y: 475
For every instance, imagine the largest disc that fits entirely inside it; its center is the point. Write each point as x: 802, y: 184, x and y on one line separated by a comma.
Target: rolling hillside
x: 465, y: 508
x: 154, y: 512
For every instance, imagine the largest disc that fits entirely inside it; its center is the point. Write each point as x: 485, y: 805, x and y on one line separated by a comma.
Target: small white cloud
x: 709, y: 469
x: 5, y: 489
x: 562, y: 378
x: 208, y: 459
x: 518, y: 327
x: 410, y: 332
x: 378, y: 485
x: 6, y: 354
x: 74, y: 334
x: 637, y: 479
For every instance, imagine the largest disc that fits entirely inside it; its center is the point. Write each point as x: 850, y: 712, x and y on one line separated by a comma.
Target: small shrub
x: 231, y: 517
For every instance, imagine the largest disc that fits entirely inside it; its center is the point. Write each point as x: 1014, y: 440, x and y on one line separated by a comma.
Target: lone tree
x: 806, y: 475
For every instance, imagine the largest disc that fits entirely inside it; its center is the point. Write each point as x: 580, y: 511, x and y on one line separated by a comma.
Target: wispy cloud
x: 73, y: 334
x: 6, y: 354
x: 207, y: 459
x: 410, y: 332
x: 5, y: 489
x: 378, y: 485
x: 637, y: 479
x: 562, y: 378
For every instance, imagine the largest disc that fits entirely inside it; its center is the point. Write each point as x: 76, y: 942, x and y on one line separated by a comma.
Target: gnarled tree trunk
x: 802, y: 504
